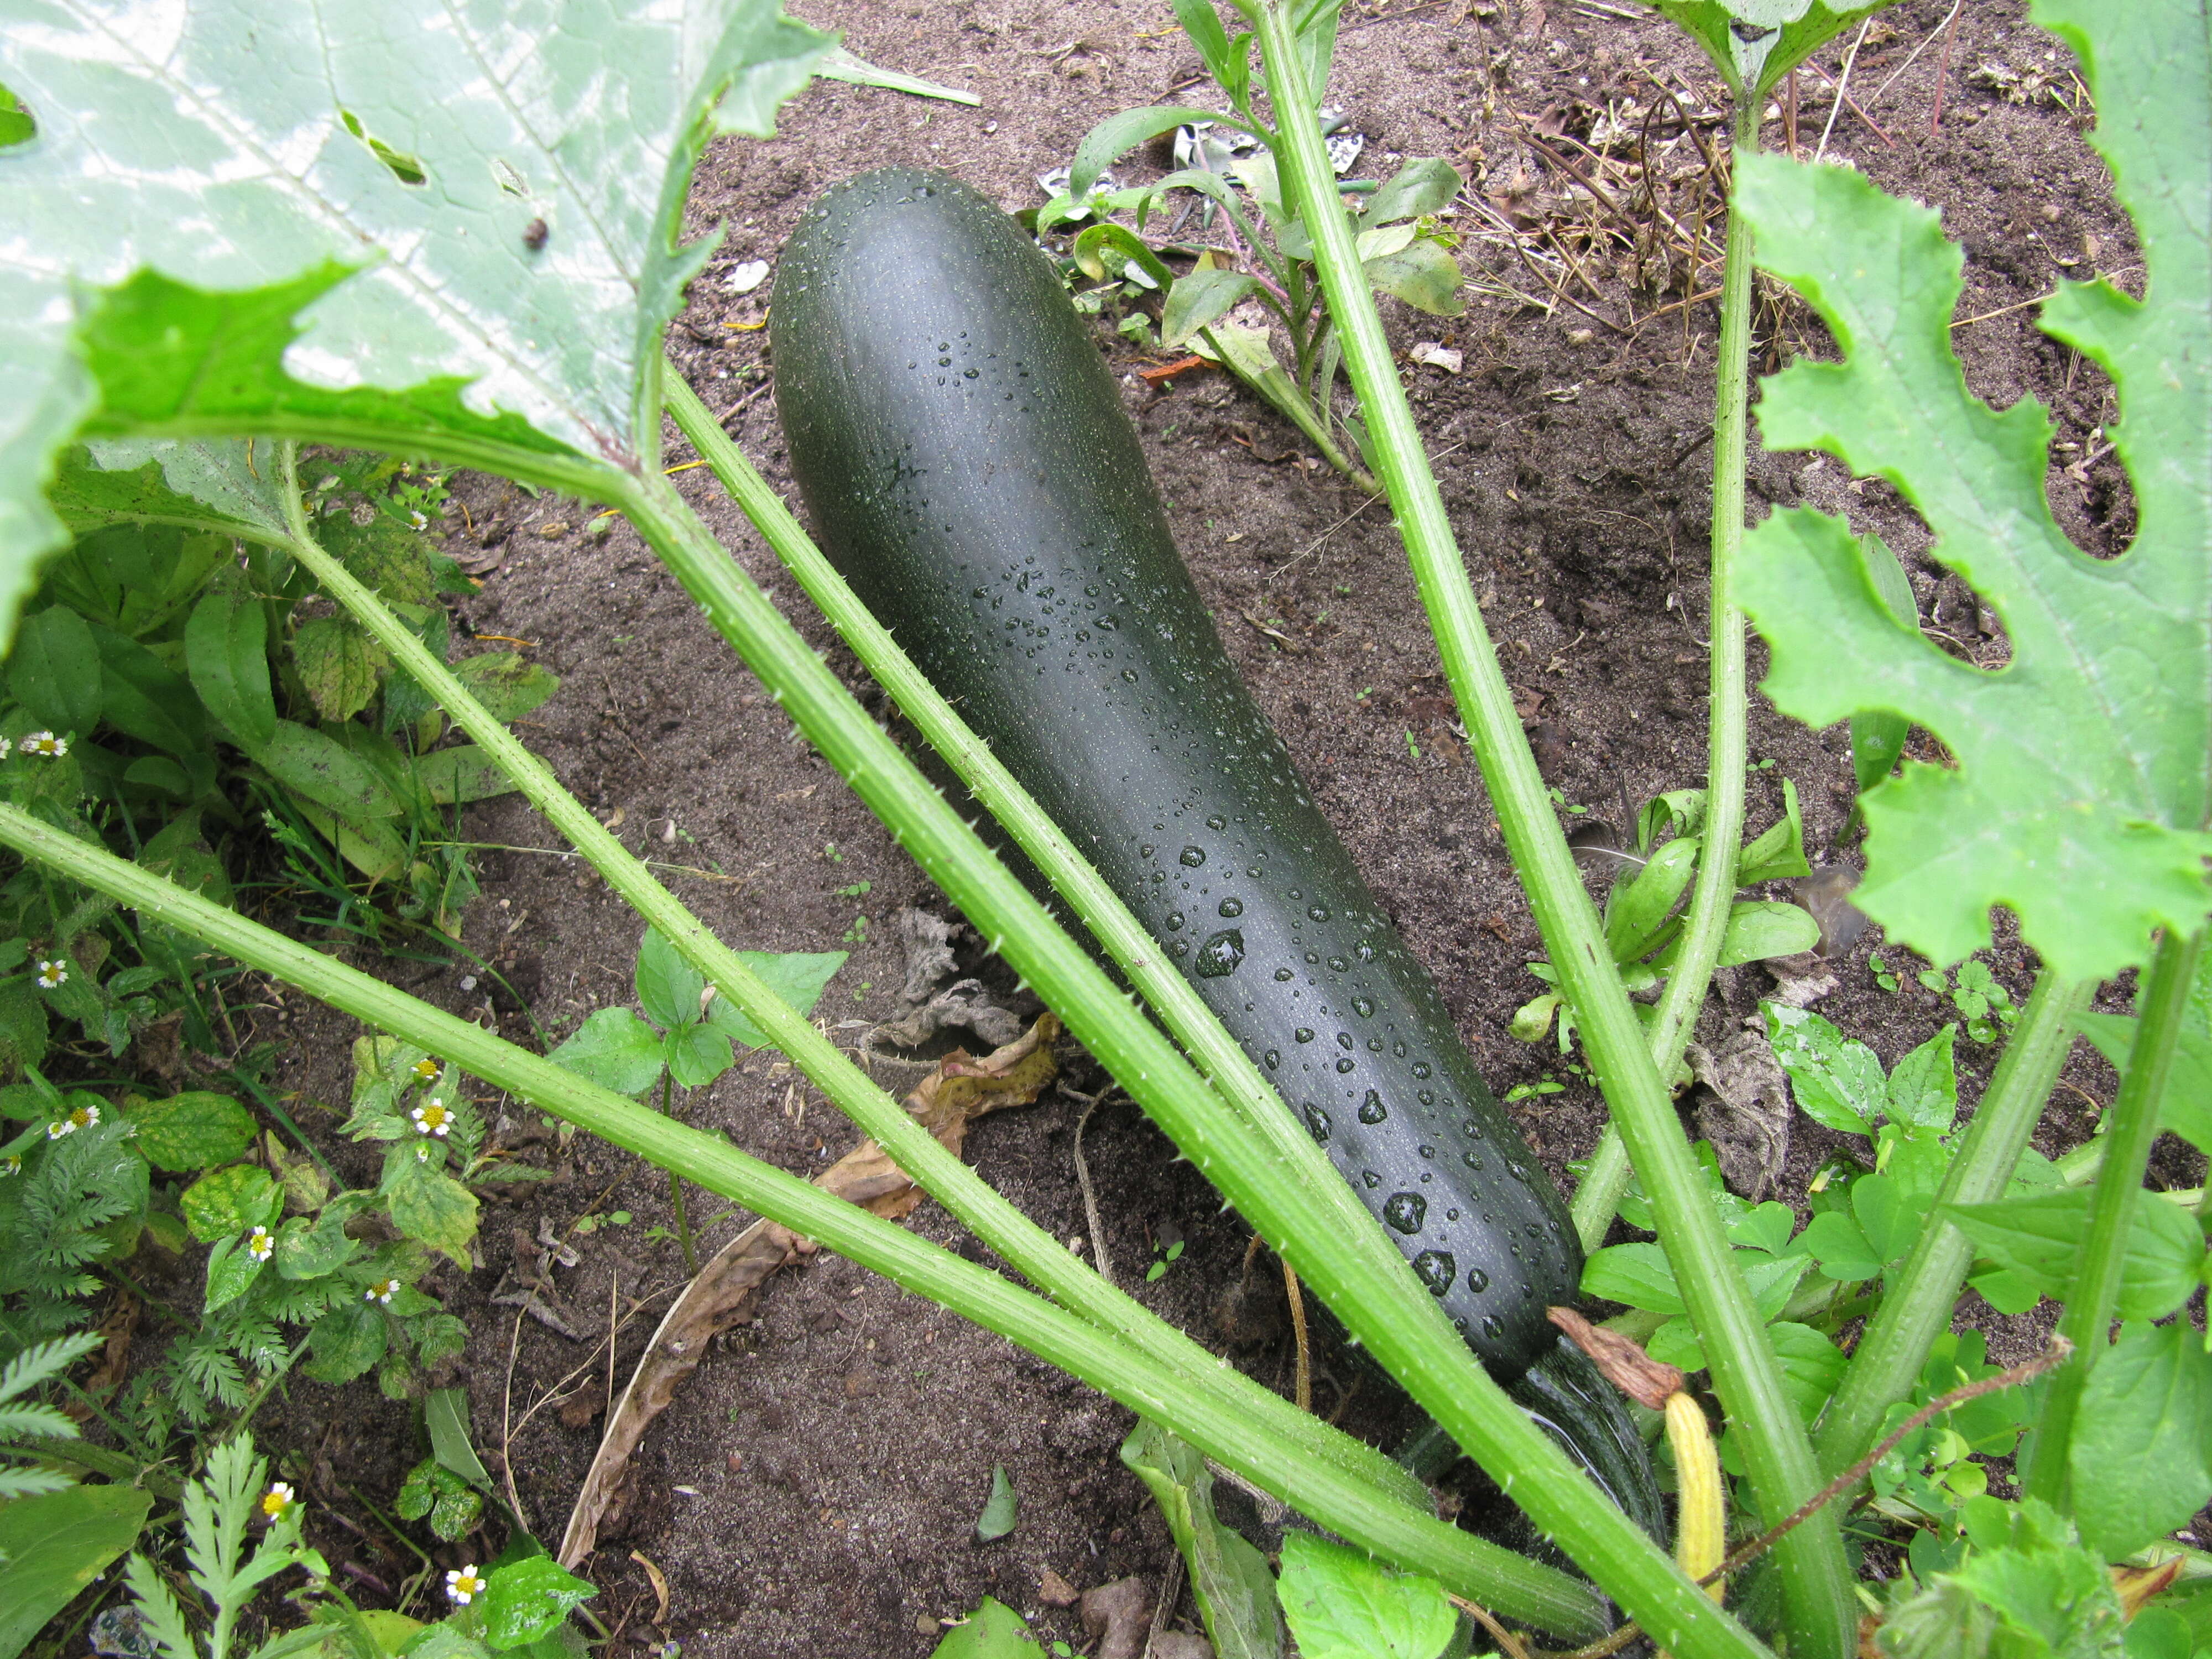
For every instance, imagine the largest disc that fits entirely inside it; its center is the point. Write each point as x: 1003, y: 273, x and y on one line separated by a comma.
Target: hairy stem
x: 1917, y: 1308
x: 1034, y: 1252
x: 1706, y: 923
x: 2129, y: 1128
x: 1217, y: 1421
x: 1268, y: 1167
x: 1821, y: 1616
x: 675, y: 1180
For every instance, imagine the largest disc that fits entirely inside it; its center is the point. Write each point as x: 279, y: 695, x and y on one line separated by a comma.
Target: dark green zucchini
x: 969, y: 469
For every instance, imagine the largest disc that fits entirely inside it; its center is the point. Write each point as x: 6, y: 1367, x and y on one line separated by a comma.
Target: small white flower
x: 424, y: 1070
x: 380, y: 1292
x: 463, y: 1586
x: 79, y: 1117
x: 433, y: 1117
x: 278, y: 1499
x: 53, y: 974
x: 46, y: 745
x: 11, y: 1164
x: 421, y: 1153
x: 260, y: 1244
x: 6, y: 748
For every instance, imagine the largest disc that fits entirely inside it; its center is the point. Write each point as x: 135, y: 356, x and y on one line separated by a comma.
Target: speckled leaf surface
x: 407, y: 225
x: 2084, y: 767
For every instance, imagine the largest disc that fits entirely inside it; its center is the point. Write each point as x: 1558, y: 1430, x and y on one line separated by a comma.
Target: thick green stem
x: 1034, y: 1252
x: 2129, y: 1128
x: 1706, y: 923
x: 1218, y: 1421
x: 1917, y: 1306
x: 1283, y: 1188
x: 1821, y: 1616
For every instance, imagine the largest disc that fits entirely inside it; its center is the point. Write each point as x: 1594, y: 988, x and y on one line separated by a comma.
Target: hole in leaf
x: 404, y: 167
x: 16, y: 127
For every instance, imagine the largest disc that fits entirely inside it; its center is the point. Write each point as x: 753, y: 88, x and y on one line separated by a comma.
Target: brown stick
x: 1298, y: 1327
x: 1943, y: 70
x: 1509, y: 1644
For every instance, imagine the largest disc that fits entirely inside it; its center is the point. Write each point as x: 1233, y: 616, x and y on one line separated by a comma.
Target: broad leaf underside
x: 2084, y: 776
x: 415, y: 224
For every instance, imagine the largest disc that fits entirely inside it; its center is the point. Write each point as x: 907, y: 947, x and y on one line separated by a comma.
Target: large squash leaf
x: 416, y: 226
x: 2084, y: 776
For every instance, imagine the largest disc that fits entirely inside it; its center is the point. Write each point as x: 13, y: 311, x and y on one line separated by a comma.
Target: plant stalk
x: 675, y: 1180
x: 1217, y: 1420
x: 2131, y: 1128
x: 1917, y: 1308
x: 1034, y: 1252
x: 1283, y: 1186
x: 1823, y: 1617
x: 1706, y: 921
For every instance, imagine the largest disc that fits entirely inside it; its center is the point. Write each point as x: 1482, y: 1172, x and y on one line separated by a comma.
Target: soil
x: 814, y: 1489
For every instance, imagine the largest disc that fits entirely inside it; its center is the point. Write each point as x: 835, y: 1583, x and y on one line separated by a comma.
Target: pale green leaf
x: 54, y: 1545
x: 1424, y: 274
x: 614, y: 1049
x: 2142, y: 1437
x: 1754, y: 43
x: 993, y: 1630
x: 433, y: 1207
x: 1199, y: 299
x: 2084, y: 775
x: 2039, y: 1238
x: 1341, y: 1603
x: 799, y: 977
x: 257, y: 155
x: 1230, y: 1579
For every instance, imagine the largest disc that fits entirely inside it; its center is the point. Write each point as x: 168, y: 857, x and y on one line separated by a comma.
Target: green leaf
x: 314, y: 766
x: 1000, y: 1510
x: 1118, y: 134
x: 195, y: 1130
x: 842, y: 65
x: 557, y: 343
x: 697, y: 1053
x: 506, y: 683
x: 2040, y: 1238
x: 1837, y: 1079
x: 799, y: 977
x: 1923, y: 1089
x: 308, y: 1249
x: 1778, y: 852
x: 53, y: 1545
x: 993, y: 1630
x: 1754, y: 43
x: 2085, y: 766
x: 1877, y: 735
x: 668, y: 987
x: 524, y: 1601
x: 1636, y: 1275
x: 1343, y: 1604
x: 446, y: 1417
x: 212, y: 483
x: 338, y: 664
x: 142, y: 696
x: 2185, y: 1107
x: 231, y: 1271
x: 1230, y: 1579
x: 1639, y: 909
x: 229, y: 1201
x: 227, y: 654
x: 1841, y: 1248
x: 345, y: 1342
x: 2141, y: 1438
x: 433, y: 1207
x: 614, y: 1049
x: 1111, y: 250
x: 54, y: 670
x: 1200, y: 299
x: 1762, y: 929
x: 1424, y: 274
x: 1422, y: 185
x: 461, y: 774
x: 1811, y: 1365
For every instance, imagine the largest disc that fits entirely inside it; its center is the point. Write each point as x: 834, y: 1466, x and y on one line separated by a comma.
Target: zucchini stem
x: 2131, y: 1128
x: 1822, y: 1615
x: 1706, y: 921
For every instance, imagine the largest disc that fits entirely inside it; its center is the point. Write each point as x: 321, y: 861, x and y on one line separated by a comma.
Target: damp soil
x: 814, y: 1489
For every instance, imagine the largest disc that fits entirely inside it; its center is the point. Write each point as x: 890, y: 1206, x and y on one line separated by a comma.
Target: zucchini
x: 971, y: 471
